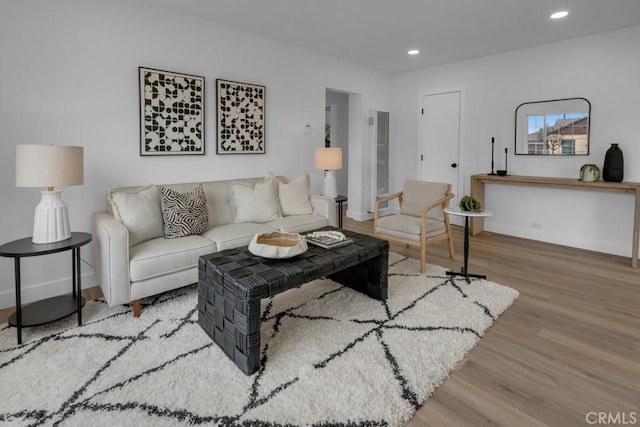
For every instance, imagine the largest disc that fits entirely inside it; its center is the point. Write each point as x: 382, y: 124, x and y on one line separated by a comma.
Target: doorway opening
x: 337, y: 133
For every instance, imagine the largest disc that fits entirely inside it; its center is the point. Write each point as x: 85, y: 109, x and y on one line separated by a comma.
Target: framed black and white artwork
x: 171, y: 113
x: 240, y: 117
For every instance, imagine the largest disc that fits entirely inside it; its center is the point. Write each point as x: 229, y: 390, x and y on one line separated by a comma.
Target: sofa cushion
x: 139, y: 211
x: 299, y: 223
x: 233, y: 235
x: 294, y: 196
x: 184, y: 214
x: 255, y: 202
x: 161, y: 256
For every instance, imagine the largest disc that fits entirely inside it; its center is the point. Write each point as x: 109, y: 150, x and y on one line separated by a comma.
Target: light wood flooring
x: 568, y: 346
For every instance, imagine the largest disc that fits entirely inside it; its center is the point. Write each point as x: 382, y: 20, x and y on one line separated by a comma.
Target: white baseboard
x: 40, y: 291
x: 364, y: 216
x: 359, y: 216
x: 389, y: 211
x: 581, y: 242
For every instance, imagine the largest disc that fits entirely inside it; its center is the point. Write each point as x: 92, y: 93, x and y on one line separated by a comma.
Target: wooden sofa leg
x: 136, y: 308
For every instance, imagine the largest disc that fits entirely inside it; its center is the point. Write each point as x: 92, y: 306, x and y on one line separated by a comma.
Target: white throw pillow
x: 255, y: 202
x: 139, y: 211
x: 294, y: 196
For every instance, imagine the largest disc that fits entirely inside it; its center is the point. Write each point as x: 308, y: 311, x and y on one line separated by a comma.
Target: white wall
x: 603, y: 68
x: 69, y: 73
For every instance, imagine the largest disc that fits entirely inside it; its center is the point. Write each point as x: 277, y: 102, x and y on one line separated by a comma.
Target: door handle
x: 454, y: 165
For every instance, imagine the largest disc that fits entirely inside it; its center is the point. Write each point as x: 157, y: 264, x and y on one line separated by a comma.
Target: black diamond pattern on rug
x: 330, y: 356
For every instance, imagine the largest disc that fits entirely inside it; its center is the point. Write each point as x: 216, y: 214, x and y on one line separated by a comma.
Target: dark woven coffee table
x: 232, y: 282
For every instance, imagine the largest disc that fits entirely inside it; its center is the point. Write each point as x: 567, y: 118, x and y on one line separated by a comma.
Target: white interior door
x: 440, y: 126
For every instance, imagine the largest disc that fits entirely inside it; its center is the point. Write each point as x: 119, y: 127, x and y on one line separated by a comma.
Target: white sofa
x: 135, y: 260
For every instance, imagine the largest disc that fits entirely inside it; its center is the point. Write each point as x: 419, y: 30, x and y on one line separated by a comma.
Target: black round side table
x: 339, y: 201
x: 50, y: 309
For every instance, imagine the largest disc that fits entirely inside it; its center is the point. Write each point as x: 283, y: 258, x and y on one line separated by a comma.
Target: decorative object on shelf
x: 329, y: 159
x: 50, y: 166
x: 503, y: 172
x: 589, y: 173
x: 240, y: 117
x: 613, y: 170
x: 469, y: 204
x: 492, y: 147
x: 506, y: 150
x: 171, y: 113
x: 277, y: 245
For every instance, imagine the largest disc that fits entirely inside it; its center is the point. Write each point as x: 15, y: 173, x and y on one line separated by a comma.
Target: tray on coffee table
x: 328, y: 239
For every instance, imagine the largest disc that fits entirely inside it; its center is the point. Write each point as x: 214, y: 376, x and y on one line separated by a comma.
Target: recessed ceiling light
x: 413, y: 52
x: 559, y: 15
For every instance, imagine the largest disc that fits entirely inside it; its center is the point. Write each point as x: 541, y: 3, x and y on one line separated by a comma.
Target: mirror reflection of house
x: 561, y: 136
x: 557, y: 127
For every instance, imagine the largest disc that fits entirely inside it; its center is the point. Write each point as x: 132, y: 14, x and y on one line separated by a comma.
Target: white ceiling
x: 378, y: 33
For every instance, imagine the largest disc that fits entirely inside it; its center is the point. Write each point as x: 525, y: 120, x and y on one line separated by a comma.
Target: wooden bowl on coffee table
x: 277, y: 245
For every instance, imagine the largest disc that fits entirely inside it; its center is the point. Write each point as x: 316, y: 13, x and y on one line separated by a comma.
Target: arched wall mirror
x: 558, y: 127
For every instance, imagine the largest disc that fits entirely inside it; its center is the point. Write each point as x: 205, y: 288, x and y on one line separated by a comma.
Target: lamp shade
x: 49, y: 165
x: 328, y: 158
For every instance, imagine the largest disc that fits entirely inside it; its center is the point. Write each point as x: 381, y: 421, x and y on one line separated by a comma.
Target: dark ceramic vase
x: 613, y: 169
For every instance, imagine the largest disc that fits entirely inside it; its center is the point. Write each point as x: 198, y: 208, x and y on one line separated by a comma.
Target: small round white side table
x: 466, y: 215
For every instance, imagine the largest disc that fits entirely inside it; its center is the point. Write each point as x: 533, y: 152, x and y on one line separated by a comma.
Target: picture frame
x: 171, y: 113
x: 240, y: 117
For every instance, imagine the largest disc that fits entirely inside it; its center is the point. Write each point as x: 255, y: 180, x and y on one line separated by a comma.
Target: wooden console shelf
x: 478, y: 182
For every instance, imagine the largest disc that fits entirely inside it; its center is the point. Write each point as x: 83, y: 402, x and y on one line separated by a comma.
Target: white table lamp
x: 49, y: 166
x: 329, y: 159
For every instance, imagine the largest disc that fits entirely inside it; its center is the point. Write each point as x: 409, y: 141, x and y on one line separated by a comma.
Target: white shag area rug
x: 330, y: 357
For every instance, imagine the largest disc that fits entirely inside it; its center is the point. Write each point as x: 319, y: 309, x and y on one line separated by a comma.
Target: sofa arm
x: 111, y: 258
x: 326, y: 207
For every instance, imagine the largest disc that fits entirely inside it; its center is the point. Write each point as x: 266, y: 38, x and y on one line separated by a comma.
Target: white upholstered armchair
x: 421, y: 220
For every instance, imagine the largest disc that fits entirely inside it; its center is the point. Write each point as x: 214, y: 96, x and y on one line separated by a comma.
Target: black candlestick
x: 492, y: 146
x: 506, y: 169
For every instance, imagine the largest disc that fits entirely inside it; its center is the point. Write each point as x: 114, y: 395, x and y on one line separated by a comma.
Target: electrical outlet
x: 536, y: 225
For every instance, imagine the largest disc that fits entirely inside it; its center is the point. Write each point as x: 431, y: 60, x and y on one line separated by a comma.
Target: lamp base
x: 51, y: 222
x: 329, y: 187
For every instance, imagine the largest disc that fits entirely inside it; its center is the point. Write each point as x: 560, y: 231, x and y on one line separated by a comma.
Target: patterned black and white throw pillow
x: 184, y: 214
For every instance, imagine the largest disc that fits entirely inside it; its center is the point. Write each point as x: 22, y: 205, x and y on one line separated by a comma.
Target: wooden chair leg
x: 136, y: 308
x: 423, y: 256
x: 447, y: 225
x: 450, y: 246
